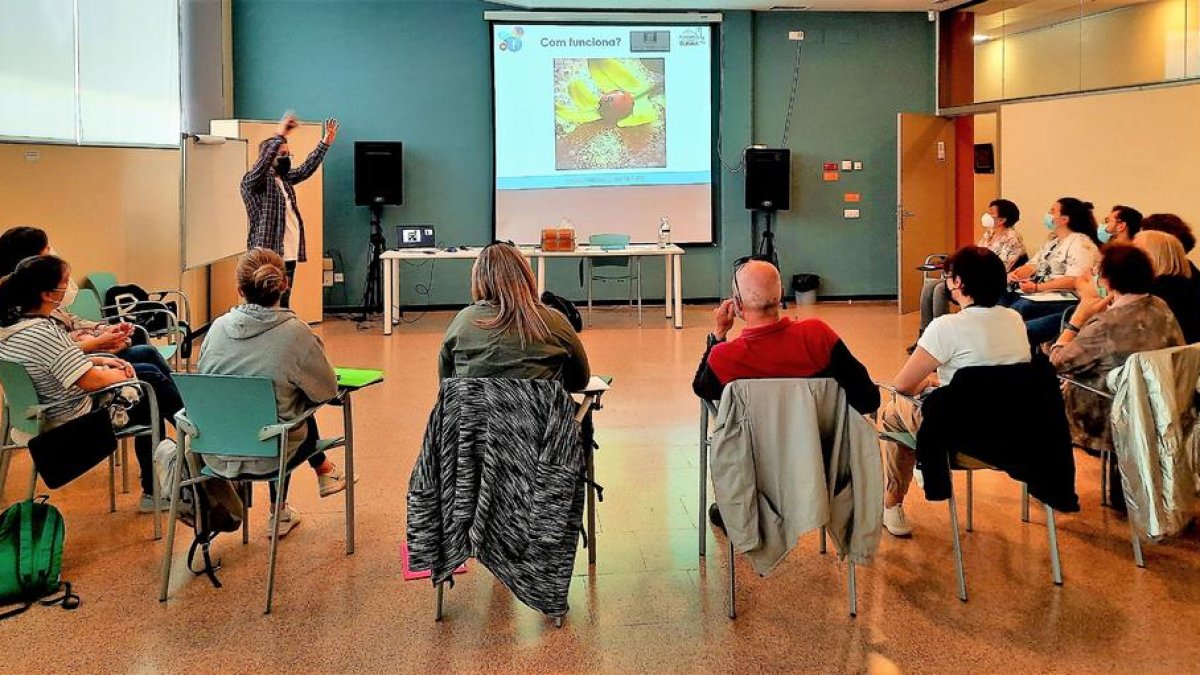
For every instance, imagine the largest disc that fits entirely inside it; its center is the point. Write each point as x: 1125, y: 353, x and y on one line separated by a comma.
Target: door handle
x: 907, y: 214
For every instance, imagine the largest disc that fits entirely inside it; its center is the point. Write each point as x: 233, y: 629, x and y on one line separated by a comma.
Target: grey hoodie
x: 255, y: 341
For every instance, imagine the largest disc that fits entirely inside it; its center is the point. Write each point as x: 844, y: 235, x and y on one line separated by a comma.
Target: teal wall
x: 419, y: 71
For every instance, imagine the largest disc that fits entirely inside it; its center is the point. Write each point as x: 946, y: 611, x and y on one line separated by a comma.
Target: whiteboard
x: 212, y: 214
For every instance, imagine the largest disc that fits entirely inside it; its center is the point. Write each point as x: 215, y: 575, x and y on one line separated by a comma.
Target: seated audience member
x: 32, y: 337
x: 772, y: 346
x: 999, y: 235
x: 1173, y: 281
x: 261, y: 339
x: 1103, y: 332
x: 1174, y: 226
x: 982, y: 334
x: 18, y: 243
x: 1121, y: 225
x: 508, y: 332
x: 1066, y: 258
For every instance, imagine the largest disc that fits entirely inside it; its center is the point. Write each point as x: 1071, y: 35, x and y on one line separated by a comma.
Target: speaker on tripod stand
x: 378, y: 182
x: 768, y: 190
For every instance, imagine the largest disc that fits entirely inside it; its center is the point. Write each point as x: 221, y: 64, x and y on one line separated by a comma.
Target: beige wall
x: 1140, y: 148
x: 1143, y: 43
x: 113, y: 209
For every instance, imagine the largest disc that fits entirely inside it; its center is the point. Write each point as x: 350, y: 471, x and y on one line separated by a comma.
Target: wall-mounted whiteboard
x: 211, y: 210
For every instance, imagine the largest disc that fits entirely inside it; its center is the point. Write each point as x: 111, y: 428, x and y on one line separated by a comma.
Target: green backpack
x: 31, y: 547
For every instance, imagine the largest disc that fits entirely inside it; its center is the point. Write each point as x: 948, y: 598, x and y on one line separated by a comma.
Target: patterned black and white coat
x: 500, y: 478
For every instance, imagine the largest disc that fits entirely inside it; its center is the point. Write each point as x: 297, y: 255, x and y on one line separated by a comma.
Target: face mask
x: 1104, y: 235
x: 283, y: 165
x: 1048, y: 221
x: 987, y: 221
x: 68, y: 298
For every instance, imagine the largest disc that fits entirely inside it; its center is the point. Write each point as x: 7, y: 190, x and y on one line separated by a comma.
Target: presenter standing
x: 274, y: 217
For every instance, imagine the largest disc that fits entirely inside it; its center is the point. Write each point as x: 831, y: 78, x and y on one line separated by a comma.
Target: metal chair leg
x: 280, y: 499
x: 732, y: 584
x: 1024, y: 502
x: 590, y: 489
x: 703, y: 508
x: 175, y: 480
x: 32, y: 482
x: 589, y: 285
x: 1137, y: 546
x: 437, y: 607
x: 852, y: 582
x: 1055, y: 563
x: 821, y: 546
x: 958, y: 561
x: 112, y: 483
x: 970, y: 500
x: 348, y: 431
x: 558, y: 620
x: 246, y: 489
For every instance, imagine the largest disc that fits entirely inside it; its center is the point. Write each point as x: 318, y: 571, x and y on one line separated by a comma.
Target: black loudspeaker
x: 378, y: 173
x: 985, y: 158
x: 768, y: 179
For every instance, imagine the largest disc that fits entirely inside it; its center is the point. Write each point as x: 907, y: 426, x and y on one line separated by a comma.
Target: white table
x: 392, y: 260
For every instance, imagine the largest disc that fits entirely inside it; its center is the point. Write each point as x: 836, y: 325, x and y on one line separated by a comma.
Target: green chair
x: 100, y: 282
x: 87, y: 305
x: 26, y: 416
x: 614, y: 268
x: 963, y: 462
x: 236, y: 417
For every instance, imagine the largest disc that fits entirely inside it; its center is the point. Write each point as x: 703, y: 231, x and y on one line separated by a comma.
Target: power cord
x: 721, y: 113
x: 787, y: 124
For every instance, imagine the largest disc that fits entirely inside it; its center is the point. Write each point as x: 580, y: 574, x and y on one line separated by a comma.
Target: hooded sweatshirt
x: 255, y: 341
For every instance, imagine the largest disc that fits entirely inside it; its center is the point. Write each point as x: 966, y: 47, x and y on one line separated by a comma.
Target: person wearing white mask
x: 31, y: 335
x: 1000, y: 236
x: 1120, y: 226
x: 1066, y: 259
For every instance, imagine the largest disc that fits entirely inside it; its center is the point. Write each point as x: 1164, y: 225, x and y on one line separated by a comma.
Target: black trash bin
x: 805, y: 286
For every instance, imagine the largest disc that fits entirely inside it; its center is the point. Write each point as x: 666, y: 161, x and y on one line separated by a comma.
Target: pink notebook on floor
x: 409, y: 575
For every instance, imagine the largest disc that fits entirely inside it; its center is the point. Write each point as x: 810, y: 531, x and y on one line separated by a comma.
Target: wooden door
x: 925, y: 198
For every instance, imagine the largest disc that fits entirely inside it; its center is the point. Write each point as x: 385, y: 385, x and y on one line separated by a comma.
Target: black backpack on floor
x: 564, y: 307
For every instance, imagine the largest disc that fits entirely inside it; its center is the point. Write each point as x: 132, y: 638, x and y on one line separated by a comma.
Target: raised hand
x: 286, y: 124
x: 331, y: 129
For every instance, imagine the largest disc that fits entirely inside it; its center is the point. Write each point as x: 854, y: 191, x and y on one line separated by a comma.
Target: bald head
x: 759, y: 286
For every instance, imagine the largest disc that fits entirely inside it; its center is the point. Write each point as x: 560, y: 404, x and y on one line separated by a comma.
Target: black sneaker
x: 714, y: 517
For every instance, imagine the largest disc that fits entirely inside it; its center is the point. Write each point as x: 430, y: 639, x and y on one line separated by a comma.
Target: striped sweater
x: 500, y: 478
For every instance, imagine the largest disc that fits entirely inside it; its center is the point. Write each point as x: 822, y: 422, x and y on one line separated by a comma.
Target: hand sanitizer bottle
x: 664, y: 232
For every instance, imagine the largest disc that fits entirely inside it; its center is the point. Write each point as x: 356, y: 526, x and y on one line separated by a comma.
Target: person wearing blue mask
x: 1067, y: 258
x: 1120, y: 226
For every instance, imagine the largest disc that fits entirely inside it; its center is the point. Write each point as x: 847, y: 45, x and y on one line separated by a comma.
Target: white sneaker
x: 288, y: 519
x: 333, y: 482
x: 895, y: 522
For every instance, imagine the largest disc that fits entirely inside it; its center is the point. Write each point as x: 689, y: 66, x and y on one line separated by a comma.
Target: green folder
x: 357, y: 378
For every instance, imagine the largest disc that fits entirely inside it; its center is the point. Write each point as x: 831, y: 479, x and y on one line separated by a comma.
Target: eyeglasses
x: 739, y: 264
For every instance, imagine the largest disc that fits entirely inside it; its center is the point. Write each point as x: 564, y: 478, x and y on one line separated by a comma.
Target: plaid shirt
x: 265, y: 202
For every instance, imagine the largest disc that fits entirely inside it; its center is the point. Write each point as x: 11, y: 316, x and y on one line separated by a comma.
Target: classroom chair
x: 24, y: 418
x: 608, y: 268
x: 228, y: 416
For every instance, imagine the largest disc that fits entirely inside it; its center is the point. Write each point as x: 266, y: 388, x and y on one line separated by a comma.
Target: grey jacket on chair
x: 500, y: 477
x: 789, y: 456
x: 1156, y: 437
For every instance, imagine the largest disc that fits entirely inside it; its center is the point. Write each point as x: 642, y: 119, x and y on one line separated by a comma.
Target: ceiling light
x: 977, y: 39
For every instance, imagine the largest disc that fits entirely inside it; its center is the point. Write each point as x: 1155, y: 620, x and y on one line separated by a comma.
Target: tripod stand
x: 373, y: 289
x: 764, y: 246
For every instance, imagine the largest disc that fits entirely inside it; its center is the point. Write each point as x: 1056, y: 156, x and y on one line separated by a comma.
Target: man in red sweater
x: 771, y: 346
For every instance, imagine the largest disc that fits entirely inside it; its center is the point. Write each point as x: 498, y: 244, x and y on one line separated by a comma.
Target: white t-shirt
x: 291, y: 229
x: 976, y: 336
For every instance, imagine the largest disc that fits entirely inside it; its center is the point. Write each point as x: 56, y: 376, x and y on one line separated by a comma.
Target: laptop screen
x: 415, y: 236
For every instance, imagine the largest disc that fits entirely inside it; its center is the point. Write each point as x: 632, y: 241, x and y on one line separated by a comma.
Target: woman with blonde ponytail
x: 262, y: 339
x: 508, y: 332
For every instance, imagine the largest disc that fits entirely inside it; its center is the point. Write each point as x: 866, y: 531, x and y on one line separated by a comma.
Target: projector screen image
x: 606, y: 126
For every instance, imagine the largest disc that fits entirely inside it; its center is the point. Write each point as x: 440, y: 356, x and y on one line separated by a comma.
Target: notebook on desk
x: 357, y: 378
